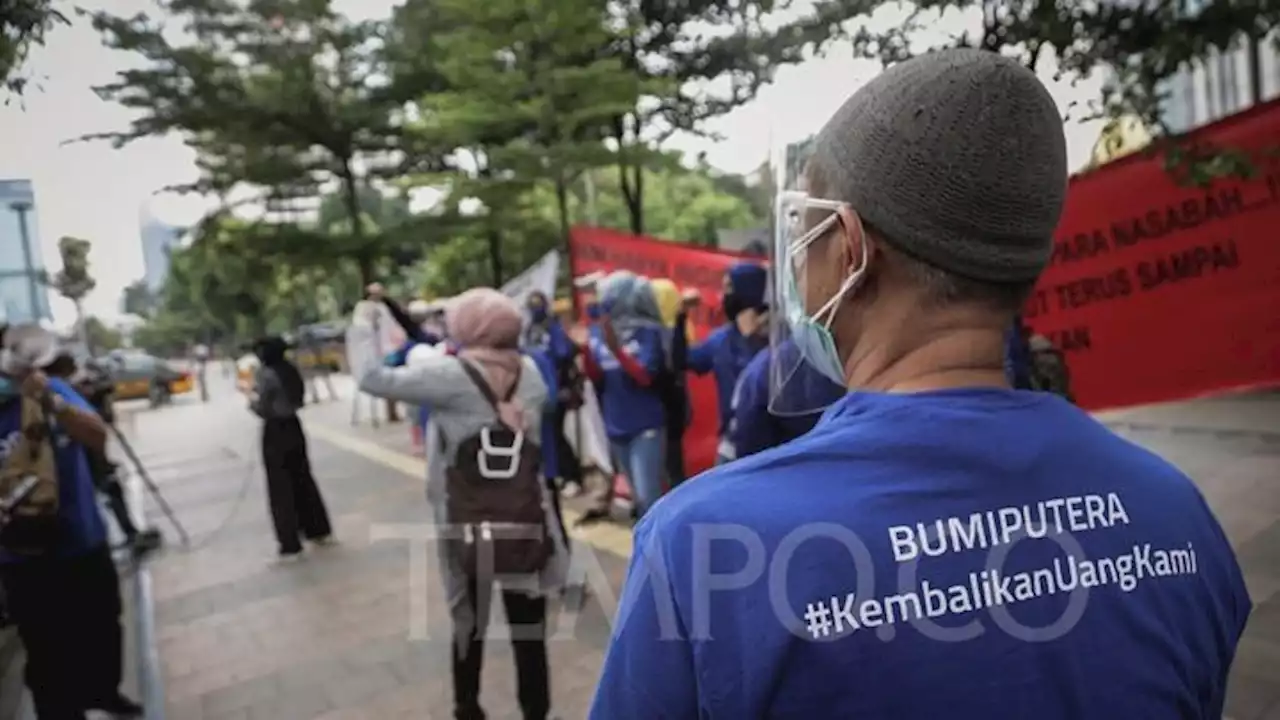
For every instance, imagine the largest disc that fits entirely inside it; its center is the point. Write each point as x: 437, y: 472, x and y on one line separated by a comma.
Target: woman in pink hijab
x: 484, y: 331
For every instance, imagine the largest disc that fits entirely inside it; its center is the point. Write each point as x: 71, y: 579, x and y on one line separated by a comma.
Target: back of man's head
x: 956, y: 161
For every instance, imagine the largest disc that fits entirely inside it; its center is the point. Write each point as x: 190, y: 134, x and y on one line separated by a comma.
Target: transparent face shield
x: 798, y: 342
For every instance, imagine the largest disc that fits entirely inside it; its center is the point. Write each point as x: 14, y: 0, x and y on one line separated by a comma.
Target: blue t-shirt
x: 754, y: 427
x: 628, y: 408
x: 977, y: 553
x: 550, y: 448
x: 81, y: 523
x: 725, y: 354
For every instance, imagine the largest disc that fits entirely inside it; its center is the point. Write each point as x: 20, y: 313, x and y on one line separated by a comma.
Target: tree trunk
x: 351, y: 201
x: 494, y: 241
x: 632, y: 184
x: 562, y: 207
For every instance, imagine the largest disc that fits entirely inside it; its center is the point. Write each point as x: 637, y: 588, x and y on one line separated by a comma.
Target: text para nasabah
x: 1155, y: 272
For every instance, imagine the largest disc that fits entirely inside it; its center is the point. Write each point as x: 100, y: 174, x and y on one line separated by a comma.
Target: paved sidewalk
x: 328, y: 638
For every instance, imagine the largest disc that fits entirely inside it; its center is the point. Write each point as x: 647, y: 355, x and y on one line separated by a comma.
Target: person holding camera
x: 56, y: 565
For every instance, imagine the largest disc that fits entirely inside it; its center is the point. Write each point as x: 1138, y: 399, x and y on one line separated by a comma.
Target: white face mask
x: 812, y: 332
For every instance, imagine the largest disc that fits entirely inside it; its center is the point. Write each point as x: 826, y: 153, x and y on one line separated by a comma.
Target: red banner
x: 688, y: 266
x: 1158, y: 291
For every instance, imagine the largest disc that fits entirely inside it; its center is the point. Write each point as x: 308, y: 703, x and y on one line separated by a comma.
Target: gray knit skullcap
x: 957, y: 157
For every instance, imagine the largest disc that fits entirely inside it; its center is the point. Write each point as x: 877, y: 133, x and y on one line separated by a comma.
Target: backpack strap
x: 482, y: 383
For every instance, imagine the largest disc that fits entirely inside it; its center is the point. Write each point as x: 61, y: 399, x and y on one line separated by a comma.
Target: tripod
x: 149, y: 484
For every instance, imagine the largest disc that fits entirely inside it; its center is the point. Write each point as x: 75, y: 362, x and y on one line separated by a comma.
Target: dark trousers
x: 527, y: 618
x: 296, y: 506
x: 566, y: 459
x: 67, y: 611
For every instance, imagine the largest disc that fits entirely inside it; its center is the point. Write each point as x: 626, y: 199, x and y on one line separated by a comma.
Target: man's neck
x: 965, y: 355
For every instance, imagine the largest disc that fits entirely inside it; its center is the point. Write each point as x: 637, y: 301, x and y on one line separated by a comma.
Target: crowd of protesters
x: 885, y: 398
x: 885, y: 387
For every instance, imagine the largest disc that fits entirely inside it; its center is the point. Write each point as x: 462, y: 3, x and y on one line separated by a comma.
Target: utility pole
x: 21, y: 209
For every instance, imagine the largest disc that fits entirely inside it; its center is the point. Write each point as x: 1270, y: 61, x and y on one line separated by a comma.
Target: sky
x: 90, y: 190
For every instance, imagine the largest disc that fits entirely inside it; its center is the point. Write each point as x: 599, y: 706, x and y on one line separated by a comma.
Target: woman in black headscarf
x: 296, y: 506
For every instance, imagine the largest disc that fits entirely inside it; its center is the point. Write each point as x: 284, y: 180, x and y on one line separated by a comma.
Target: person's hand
x: 610, y: 334
x: 690, y: 298
x: 35, y: 384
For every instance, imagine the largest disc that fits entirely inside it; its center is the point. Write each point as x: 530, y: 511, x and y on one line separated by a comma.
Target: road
x: 331, y: 637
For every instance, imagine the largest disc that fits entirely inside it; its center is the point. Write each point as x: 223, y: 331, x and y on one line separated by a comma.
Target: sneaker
x: 571, y: 490
x: 287, y: 558
x: 326, y: 541
x: 146, y: 541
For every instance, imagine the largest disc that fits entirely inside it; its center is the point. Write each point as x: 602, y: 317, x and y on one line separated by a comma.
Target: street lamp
x: 21, y: 208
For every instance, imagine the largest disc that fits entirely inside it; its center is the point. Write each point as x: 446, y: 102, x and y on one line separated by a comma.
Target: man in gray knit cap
x: 939, y: 545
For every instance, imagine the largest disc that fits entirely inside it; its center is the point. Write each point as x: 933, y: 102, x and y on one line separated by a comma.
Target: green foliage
x: 73, y: 281
x: 285, y: 97
x: 101, y: 337
x: 137, y: 299
x: 23, y: 24
x: 1140, y: 45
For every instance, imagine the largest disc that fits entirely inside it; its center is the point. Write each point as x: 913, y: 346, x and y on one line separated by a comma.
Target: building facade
x: 24, y: 295
x: 159, y: 239
x: 1221, y: 85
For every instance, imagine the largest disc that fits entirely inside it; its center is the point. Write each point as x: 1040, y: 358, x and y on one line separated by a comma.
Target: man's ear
x: 856, y: 247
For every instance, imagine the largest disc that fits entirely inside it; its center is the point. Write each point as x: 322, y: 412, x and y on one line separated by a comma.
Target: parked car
x: 137, y: 375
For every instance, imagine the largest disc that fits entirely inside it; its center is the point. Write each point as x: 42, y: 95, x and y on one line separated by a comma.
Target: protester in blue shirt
x: 64, y: 598
x: 939, y: 545
x: 624, y: 358
x: 546, y: 335
x: 756, y: 426
x: 727, y: 350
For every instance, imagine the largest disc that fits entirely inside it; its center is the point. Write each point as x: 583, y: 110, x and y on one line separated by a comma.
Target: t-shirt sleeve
x: 751, y: 427
x: 648, y: 670
x: 701, y: 357
x: 69, y: 394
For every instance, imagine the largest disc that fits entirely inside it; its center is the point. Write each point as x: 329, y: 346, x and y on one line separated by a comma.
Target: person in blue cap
x: 727, y: 350
x: 940, y: 545
x: 755, y: 426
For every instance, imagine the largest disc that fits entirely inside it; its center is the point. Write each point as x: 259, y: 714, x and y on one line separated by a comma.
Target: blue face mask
x: 538, y: 312
x: 594, y: 311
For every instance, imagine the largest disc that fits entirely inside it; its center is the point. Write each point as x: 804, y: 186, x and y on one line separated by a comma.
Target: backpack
x: 29, y: 486
x: 495, y: 497
x: 1049, y: 372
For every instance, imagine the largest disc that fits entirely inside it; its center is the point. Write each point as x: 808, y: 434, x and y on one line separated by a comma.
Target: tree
x: 696, y: 61
x: 288, y: 97
x: 23, y: 24
x: 1141, y: 46
x: 522, y: 93
x: 137, y: 299
x: 100, y: 337
x: 73, y: 281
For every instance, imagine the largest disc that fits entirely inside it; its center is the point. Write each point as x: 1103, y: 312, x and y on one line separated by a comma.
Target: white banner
x: 540, y: 276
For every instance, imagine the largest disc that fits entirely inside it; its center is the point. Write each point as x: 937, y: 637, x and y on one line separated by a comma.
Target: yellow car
x: 139, y: 376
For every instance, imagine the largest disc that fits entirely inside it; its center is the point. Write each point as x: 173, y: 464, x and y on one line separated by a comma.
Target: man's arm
x: 752, y: 428
x: 701, y: 356
x: 81, y: 422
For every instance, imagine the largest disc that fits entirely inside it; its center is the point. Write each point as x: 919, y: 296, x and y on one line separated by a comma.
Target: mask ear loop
x: 849, y: 283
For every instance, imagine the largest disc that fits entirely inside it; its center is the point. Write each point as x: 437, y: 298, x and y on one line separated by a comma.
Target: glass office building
x: 24, y: 297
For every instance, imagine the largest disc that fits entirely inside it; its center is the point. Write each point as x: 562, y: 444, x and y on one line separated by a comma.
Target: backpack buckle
x: 490, y: 450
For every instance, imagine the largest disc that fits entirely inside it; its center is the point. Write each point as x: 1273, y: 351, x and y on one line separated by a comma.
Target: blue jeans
x: 641, y: 460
